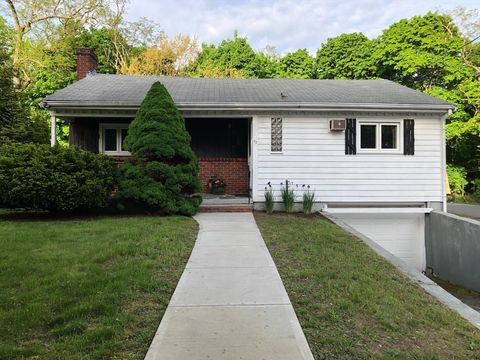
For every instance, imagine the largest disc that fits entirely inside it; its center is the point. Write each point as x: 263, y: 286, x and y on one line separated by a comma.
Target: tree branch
x: 16, y: 20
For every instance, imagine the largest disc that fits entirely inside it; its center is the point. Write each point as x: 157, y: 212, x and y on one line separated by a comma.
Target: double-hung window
x: 111, y: 139
x: 378, y: 137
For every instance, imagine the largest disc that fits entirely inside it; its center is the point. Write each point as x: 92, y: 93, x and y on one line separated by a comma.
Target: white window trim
x: 378, y: 136
x: 101, y: 138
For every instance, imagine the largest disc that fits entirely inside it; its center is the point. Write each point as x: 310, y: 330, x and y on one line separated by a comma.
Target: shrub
x: 55, y: 179
x: 268, y: 199
x: 476, y: 188
x: 288, y: 196
x: 457, y: 181
x: 308, y: 199
x: 163, y: 176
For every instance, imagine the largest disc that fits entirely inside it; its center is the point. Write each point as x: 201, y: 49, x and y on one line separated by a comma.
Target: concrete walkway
x: 230, y: 302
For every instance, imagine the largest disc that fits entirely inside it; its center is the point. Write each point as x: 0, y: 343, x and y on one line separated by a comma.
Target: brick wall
x: 86, y: 62
x: 234, y: 171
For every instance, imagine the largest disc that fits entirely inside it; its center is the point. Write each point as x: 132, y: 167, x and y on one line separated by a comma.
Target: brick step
x: 226, y: 208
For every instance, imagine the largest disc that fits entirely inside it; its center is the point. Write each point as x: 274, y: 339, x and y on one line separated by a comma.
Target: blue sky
x: 287, y: 25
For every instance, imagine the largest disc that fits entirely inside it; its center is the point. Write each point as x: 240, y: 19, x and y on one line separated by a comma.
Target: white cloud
x: 284, y: 24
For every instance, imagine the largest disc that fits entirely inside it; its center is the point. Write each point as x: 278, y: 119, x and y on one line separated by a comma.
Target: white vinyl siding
x: 315, y: 156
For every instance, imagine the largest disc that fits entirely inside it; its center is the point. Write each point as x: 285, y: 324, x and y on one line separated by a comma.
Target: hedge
x: 41, y: 177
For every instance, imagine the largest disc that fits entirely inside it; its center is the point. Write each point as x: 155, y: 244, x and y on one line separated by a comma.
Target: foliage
x: 234, y: 56
x: 422, y: 52
x: 308, y: 199
x: 16, y: 124
x: 268, y: 198
x: 163, y: 176
x: 347, y: 56
x: 269, y: 61
x: 476, y: 188
x: 170, y: 57
x: 104, y: 42
x: 457, y: 181
x: 298, y: 65
x: 352, y: 304
x: 54, y: 178
x: 96, y: 288
x: 288, y: 196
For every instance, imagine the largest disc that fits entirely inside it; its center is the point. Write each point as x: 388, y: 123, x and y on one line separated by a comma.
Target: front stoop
x: 229, y: 208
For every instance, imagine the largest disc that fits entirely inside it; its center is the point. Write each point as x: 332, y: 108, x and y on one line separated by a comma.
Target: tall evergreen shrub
x: 163, y: 174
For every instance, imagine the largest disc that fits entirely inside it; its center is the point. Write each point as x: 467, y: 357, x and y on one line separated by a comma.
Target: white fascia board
x: 256, y: 106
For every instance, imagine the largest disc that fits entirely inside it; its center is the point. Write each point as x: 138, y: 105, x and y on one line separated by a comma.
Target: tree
x: 27, y: 14
x: 422, y: 52
x: 103, y: 43
x: 348, y: 56
x: 164, y: 173
x: 232, y: 56
x: 298, y: 64
x: 269, y: 60
x: 170, y: 57
x: 15, y: 124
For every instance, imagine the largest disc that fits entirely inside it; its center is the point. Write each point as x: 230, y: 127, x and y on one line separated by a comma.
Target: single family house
x: 372, y: 150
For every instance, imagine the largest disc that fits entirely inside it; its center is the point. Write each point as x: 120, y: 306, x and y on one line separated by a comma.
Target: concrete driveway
x: 471, y: 211
x: 230, y: 302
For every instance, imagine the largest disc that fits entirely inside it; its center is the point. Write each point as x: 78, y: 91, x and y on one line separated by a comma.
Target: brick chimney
x: 86, y: 62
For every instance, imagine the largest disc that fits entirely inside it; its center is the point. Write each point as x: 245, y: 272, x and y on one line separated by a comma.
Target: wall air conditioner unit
x: 337, y: 124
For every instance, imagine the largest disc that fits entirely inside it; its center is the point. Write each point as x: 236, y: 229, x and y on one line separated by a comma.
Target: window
x: 111, y: 139
x: 379, y: 137
x: 276, y: 135
x: 368, y: 136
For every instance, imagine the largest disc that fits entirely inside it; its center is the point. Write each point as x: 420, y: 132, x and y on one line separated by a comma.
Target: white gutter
x: 262, y: 106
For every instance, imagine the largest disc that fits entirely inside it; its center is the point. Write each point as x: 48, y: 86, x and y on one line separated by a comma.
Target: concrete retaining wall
x: 453, y: 248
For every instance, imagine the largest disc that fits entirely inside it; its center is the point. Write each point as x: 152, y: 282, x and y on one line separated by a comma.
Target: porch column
x: 53, y: 129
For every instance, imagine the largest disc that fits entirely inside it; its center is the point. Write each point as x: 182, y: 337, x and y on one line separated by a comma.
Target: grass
x: 88, y: 288
x: 352, y: 304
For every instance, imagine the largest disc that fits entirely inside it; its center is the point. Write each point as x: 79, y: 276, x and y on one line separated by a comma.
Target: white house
x: 372, y: 150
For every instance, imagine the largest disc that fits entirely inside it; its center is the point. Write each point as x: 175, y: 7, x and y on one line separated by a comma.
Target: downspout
x: 444, y: 161
x: 53, y: 128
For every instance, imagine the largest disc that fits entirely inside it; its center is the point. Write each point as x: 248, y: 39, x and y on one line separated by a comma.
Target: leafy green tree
x: 268, y: 60
x: 298, y: 64
x: 429, y: 53
x: 102, y: 42
x: 164, y: 174
x: 422, y: 52
x: 232, y: 56
x: 15, y: 123
x: 347, y: 56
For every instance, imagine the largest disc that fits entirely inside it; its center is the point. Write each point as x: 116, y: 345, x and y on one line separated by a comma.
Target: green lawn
x: 88, y: 289
x: 352, y: 304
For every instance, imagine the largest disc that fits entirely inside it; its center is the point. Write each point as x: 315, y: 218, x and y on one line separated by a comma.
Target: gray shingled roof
x: 125, y: 90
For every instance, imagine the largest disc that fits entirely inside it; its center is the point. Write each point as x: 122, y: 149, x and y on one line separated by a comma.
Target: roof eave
x: 264, y: 106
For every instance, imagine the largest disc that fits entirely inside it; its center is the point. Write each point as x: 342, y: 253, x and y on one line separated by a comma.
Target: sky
x: 286, y: 25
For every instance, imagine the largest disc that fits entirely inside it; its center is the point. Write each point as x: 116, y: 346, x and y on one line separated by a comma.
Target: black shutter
x: 351, y: 137
x: 408, y: 137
